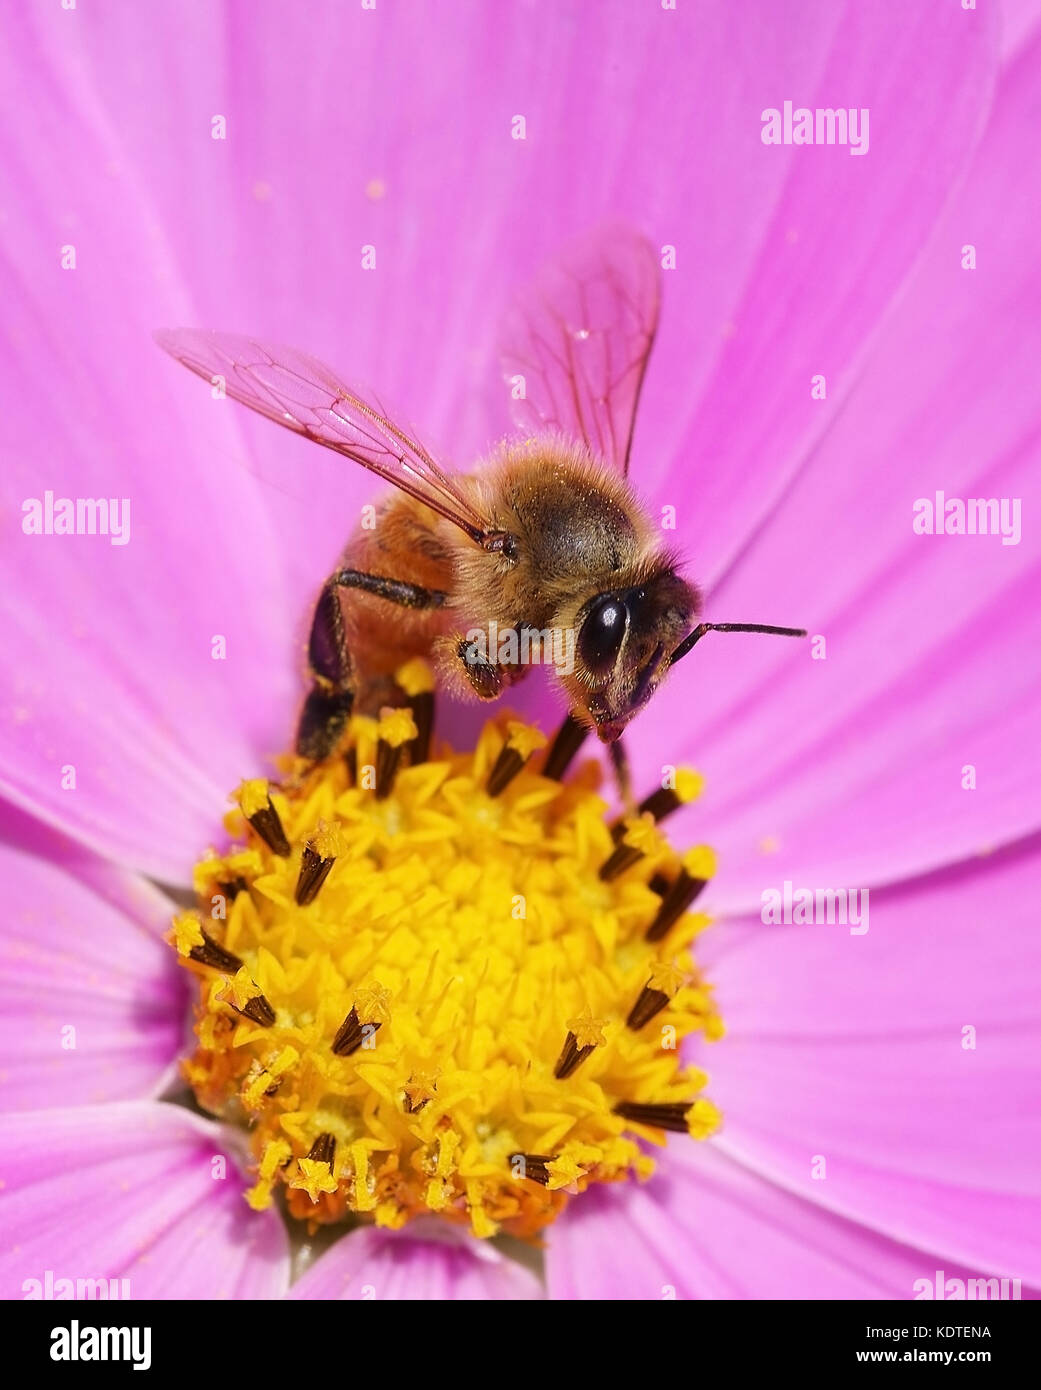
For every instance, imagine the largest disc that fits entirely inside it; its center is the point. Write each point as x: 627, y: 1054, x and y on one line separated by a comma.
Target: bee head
x: 624, y: 637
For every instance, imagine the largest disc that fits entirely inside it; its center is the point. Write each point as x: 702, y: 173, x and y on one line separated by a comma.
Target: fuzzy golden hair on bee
x: 574, y: 523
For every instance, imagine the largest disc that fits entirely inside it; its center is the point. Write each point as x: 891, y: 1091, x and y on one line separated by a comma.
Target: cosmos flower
x: 877, y: 1089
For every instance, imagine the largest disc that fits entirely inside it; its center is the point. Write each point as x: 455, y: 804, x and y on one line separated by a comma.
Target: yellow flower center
x: 446, y: 986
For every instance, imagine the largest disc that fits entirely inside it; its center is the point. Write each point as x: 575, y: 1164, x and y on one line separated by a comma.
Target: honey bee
x: 546, y: 537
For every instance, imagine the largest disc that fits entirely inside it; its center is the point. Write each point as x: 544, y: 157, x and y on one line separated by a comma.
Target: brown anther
x: 422, y: 707
x: 536, y: 1166
x: 507, y: 765
x: 569, y: 739
x: 257, y: 1010
x: 268, y: 825
x: 658, y: 883
x: 417, y: 1092
x: 571, y: 1057
x: 639, y: 838
x: 396, y: 732
x: 323, y: 1150
x: 521, y: 742
x: 649, y: 1002
x: 314, y: 870
x: 352, y: 1034
x: 388, y: 760
x: 233, y: 888
x: 622, y: 857
x: 416, y: 680
x: 674, y: 904
x: 669, y: 1116
x: 212, y: 954
x: 661, y: 803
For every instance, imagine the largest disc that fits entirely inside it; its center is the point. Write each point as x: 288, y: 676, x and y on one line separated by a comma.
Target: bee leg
x: 322, y: 721
x: 397, y: 591
x: 329, y: 701
x: 488, y: 679
x: 331, y: 698
x: 623, y: 775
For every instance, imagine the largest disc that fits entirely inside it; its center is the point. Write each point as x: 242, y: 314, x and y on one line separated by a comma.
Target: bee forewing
x: 302, y: 394
x: 580, y: 337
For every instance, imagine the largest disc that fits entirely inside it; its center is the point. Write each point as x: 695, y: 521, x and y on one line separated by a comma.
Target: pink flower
x: 394, y: 129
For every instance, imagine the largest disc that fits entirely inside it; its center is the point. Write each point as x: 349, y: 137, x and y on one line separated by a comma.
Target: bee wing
x: 302, y: 394
x: 580, y: 337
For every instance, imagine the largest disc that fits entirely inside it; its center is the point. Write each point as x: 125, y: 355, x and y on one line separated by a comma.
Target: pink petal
x: 1020, y: 18
x: 437, y: 1266
x: 853, y: 1048
x: 130, y: 1192
x: 821, y: 261
x: 110, y: 668
x: 852, y: 766
x: 112, y: 673
x: 92, y: 1007
x: 706, y: 1227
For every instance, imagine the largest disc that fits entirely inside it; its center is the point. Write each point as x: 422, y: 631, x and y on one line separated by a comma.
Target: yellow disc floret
x: 446, y: 986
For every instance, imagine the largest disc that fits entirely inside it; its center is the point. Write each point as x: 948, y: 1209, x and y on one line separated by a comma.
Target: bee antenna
x: 698, y: 633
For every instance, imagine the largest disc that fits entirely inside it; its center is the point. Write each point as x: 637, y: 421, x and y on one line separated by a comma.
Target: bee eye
x: 601, y: 636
